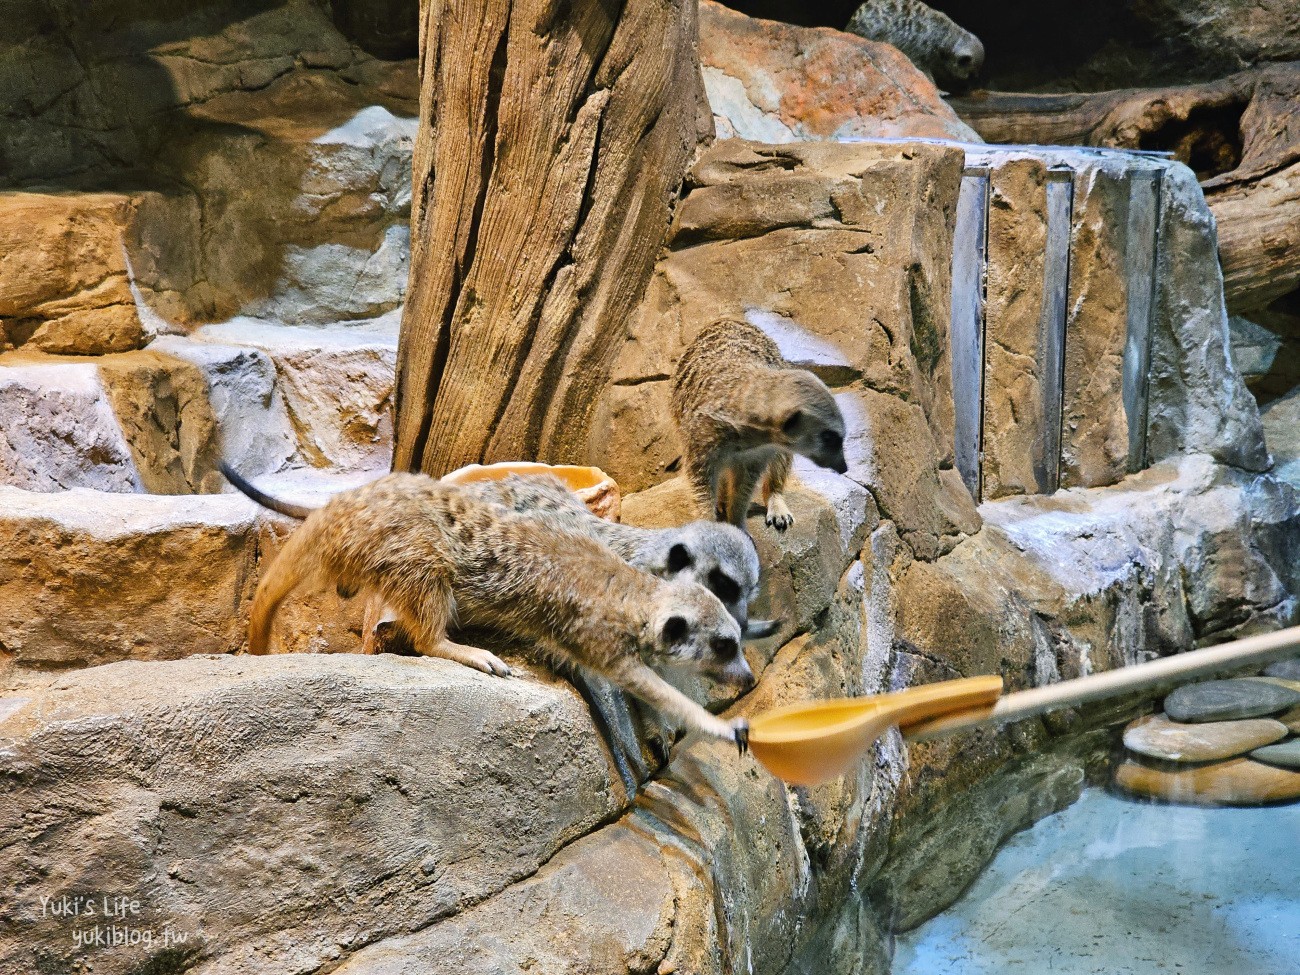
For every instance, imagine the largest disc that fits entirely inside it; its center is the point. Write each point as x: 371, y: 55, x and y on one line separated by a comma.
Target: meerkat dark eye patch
x: 725, y: 648
x: 792, y: 422
x: 679, y: 558
x: 675, y: 630
x: 724, y: 587
x: 832, y: 440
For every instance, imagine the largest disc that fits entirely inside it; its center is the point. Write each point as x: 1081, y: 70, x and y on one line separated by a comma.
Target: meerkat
x: 949, y: 54
x: 718, y: 556
x: 436, y: 554
x: 743, y: 413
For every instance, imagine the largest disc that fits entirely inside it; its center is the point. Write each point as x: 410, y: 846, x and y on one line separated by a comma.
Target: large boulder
x: 281, y: 811
x: 775, y: 82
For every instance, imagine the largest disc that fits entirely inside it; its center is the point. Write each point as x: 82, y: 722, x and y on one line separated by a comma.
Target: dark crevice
x: 1208, y: 140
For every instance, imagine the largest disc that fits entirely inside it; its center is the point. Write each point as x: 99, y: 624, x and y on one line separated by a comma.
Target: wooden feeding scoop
x: 806, y: 744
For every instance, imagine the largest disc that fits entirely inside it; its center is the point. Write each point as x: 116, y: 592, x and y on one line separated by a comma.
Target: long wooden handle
x: 1253, y: 650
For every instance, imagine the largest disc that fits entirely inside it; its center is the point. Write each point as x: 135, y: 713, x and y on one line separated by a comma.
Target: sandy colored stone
x: 776, y: 82
x: 1094, y: 427
x: 337, y: 384
x: 252, y: 419
x: 890, y: 452
x: 1227, y: 700
x: 88, y: 577
x: 840, y: 252
x: 1015, y: 414
x: 1156, y: 736
x: 63, y: 268
x: 162, y: 405
x: 1236, y: 782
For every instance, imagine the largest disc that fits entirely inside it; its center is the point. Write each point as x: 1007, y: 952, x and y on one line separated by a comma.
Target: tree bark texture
x: 1241, y: 134
x: 554, y: 135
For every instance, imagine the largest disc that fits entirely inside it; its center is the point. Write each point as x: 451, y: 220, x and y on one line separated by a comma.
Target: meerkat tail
x: 261, y: 497
x: 294, y: 563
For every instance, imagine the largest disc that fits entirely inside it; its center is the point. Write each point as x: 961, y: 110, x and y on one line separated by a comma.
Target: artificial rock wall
x: 324, y: 812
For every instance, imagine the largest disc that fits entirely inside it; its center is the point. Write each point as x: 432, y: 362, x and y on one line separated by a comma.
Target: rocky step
x: 150, y: 577
x: 1285, y: 754
x: 1156, y: 736
x: 1236, y: 782
x: 263, y: 395
x: 1228, y: 700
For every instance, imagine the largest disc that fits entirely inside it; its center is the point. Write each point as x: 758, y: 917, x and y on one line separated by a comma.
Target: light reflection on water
x: 1125, y: 888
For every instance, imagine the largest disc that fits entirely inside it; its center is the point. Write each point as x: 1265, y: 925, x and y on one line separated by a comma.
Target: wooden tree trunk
x: 1241, y: 134
x: 554, y: 135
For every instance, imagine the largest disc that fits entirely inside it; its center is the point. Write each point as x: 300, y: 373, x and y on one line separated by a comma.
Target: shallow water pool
x: 1126, y: 888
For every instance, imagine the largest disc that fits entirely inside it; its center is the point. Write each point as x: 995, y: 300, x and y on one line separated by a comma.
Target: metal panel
x: 1056, y: 289
x: 970, y: 248
x: 1140, y: 271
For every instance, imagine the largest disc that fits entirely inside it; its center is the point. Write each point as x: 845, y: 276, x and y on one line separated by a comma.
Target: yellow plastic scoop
x: 806, y: 744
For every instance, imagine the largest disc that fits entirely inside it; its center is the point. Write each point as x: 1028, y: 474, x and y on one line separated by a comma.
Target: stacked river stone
x: 1220, y: 743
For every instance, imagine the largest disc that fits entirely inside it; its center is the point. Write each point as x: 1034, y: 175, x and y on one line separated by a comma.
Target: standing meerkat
x: 718, y: 556
x: 743, y: 413
x: 436, y: 554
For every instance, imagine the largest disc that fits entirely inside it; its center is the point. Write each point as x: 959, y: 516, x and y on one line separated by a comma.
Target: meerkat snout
x: 814, y: 425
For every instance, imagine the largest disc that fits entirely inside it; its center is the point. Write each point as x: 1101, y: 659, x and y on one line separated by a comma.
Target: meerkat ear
x: 792, y: 423
x: 679, y: 557
x: 675, y: 630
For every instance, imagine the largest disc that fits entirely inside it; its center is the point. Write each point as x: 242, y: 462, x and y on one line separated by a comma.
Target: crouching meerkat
x: 743, y: 413
x: 436, y: 554
x: 718, y: 556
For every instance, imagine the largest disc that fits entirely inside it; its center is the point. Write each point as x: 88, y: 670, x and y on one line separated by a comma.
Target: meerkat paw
x: 487, y: 662
x: 475, y: 657
x: 735, y: 731
x: 779, y: 515
x: 740, y: 734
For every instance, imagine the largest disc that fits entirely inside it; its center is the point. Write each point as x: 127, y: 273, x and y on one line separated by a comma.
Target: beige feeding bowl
x: 598, y: 491
x: 807, y: 744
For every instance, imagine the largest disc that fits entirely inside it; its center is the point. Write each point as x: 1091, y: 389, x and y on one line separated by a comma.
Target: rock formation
x: 324, y: 812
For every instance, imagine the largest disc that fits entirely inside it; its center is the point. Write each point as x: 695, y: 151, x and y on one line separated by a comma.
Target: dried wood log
x: 553, y: 139
x: 1241, y: 134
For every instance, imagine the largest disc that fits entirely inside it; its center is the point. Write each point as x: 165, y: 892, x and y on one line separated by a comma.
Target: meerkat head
x: 962, y: 61
x: 691, y: 628
x: 809, y: 420
x: 722, y: 559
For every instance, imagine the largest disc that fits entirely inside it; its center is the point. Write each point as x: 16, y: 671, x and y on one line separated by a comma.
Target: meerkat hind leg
x: 746, y: 477
x: 428, y: 628
x: 779, y: 515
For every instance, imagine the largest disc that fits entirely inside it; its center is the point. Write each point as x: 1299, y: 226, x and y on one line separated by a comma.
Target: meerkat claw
x: 740, y: 730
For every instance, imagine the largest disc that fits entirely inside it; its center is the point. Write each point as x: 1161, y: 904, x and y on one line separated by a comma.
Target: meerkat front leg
x: 428, y: 629
x: 638, y: 679
x: 779, y: 515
